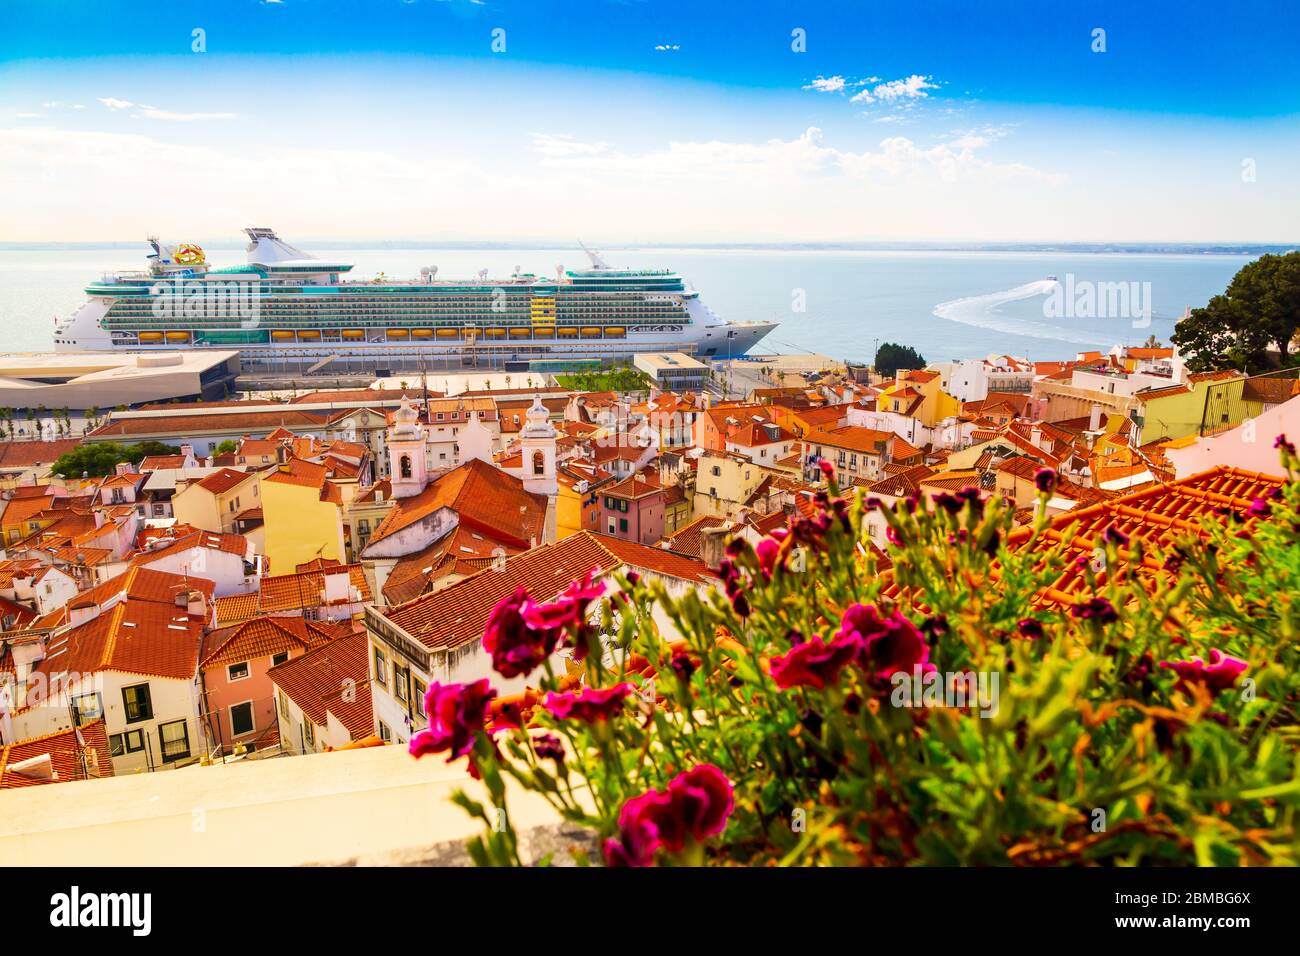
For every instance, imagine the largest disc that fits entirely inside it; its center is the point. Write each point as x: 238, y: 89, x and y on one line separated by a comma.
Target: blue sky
x: 654, y: 120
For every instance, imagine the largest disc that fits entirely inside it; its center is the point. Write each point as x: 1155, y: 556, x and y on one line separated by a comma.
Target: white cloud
x: 668, y: 47
x: 149, y: 112
x: 115, y: 104
x: 561, y: 145
x: 827, y: 84
x: 787, y: 161
x: 913, y: 87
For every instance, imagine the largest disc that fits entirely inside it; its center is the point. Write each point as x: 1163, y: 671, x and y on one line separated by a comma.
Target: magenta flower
x: 1259, y: 508
x: 827, y: 469
x: 889, y: 644
x: 456, y: 713
x: 815, y: 663
x: 1280, y: 442
x: 549, y: 747
x: 569, y: 610
x: 1045, y: 480
x: 1219, y: 674
x: 595, y: 704
x: 1096, y: 609
x: 768, y: 551
x: 695, y: 806
x: 1030, y: 629
x: 516, y: 647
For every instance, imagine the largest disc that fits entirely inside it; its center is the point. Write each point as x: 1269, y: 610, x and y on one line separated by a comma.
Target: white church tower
x: 538, y: 440
x: 407, y: 461
x: 475, y: 441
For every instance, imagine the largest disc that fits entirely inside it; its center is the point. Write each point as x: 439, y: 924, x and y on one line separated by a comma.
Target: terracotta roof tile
x: 333, y: 678
x: 65, y: 750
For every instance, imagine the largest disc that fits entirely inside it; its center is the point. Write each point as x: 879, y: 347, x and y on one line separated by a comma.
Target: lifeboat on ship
x: 309, y: 335
x: 567, y: 333
x: 494, y: 333
x: 398, y: 334
x: 520, y: 333
x: 354, y: 333
x: 281, y: 335
x: 591, y: 331
x: 447, y: 333
x: 151, y: 336
x: 178, y: 336
x: 422, y: 333
x: 544, y: 331
x: 615, y: 331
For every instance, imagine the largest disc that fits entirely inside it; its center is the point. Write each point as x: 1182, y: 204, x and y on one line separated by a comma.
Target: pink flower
x: 515, y: 646
x: 1219, y: 674
x: 595, y: 704
x: 568, y: 612
x: 695, y: 806
x: 827, y: 468
x: 456, y: 713
x: 889, y: 644
x: 815, y: 663
x: 570, y: 608
x: 768, y: 551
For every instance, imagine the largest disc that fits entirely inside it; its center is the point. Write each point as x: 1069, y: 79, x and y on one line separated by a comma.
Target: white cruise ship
x: 285, y: 308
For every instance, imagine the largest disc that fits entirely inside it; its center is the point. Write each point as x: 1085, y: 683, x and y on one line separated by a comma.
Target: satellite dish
x: 424, y: 270
x: 518, y: 269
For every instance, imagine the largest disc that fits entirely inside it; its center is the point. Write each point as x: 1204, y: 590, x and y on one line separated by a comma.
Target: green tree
x: 891, y: 357
x: 227, y: 447
x: 101, y: 458
x: 1259, y: 310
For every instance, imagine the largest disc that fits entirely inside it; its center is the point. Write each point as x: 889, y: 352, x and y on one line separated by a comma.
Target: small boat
x: 309, y: 335
x: 447, y: 333
x: 422, y: 333
x: 354, y: 333
x: 178, y: 336
x: 281, y: 335
x: 151, y: 336
x: 398, y: 334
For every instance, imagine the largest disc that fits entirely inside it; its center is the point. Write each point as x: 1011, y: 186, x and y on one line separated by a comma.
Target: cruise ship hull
x: 287, y: 309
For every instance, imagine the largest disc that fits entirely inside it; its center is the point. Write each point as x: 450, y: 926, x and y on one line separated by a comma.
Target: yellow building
x: 215, y: 501
x: 577, y: 510
x: 1212, y: 400
x: 919, y: 394
x: 303, y: 514
x: 724, y: 483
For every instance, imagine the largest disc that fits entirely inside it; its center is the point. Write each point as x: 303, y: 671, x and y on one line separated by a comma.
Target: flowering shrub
x: 821, y: 711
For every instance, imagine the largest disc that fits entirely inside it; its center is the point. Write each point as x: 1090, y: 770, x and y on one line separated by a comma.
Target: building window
x: 284, y: 705
x: 401, y: 685
x: 241, y: 719
x: 381, y: 667
x: 87, y: 707
x: 137, y: 703
x: 126, y: 743
x: 420, y: 691
x: 539, y: 463
x: 622, y: 524
x: 238, y: 671
x: 278, y: 659
x: 308, y: 734
x: 405, y: 466
x: 174, y: 740
x: 385, y: 734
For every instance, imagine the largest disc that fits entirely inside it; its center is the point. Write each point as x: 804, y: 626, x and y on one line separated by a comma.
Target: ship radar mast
x: 597, y: 260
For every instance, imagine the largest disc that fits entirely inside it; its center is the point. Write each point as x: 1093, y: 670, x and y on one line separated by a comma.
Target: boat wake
x: 981, y: 311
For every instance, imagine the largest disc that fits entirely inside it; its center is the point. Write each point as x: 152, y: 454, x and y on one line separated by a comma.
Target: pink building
x: 238, y: 703
x: 633, y: 509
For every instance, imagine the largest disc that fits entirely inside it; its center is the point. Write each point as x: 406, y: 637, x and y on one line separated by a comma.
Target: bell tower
x: 407, y: 466
x: 538, y: 438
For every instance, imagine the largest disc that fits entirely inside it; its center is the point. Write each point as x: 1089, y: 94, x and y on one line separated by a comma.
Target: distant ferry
x: 285, y: 306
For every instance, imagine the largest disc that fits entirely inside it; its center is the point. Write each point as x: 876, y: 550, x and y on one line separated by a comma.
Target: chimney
x: 379, y: 495
x: 124, y: 468
x: 713, y: 546
x: 337, y: 585
x: 187, y: 450
x: 1094, y: 419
